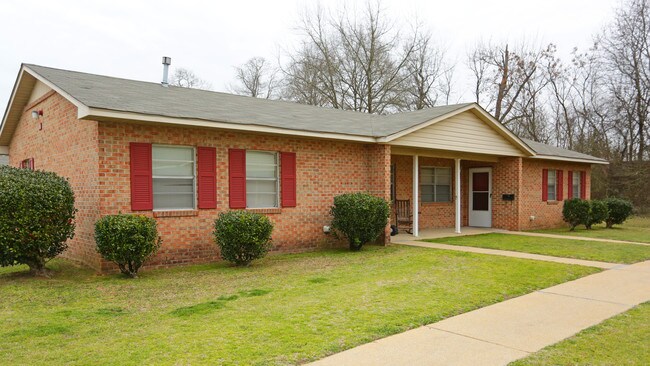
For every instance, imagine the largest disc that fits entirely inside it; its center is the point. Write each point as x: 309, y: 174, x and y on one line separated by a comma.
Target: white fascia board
x: 573, y: 160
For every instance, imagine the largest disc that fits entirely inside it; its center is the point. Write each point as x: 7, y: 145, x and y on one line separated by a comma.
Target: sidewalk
x: 504, y: 332
x: 559, y: 236
x: 508, y: 253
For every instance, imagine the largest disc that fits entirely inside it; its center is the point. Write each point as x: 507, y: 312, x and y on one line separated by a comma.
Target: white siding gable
x: 464, y: 132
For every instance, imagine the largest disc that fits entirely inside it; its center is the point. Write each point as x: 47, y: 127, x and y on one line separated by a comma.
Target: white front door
x: 480, y: 197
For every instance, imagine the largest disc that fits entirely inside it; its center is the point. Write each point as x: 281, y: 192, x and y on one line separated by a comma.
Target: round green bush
x: 619, y: 211
x: 127, y: 240
x: 360, y: 217
x: 36, y: 217
x: 575, y: 212
x: 242, y: 236
x: 598, y: 213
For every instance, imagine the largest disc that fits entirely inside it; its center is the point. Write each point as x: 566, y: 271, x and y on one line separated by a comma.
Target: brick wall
x: 67, y: 147
x: 547, y: 214
x: 324, y: 169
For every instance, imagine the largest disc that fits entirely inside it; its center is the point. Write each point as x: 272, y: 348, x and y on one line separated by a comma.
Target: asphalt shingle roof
x: 104, y: 92
x: 125, y: 95
x: 550, y: 150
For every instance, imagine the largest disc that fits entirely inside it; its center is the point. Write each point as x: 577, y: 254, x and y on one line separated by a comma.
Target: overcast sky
x: 128, y: 38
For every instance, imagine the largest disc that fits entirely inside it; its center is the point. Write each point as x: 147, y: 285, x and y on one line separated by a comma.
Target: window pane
x: 173, y: 168
x: 173, y: 153
x: 173, y: 185
x: 173, y: 201
x: 551, y: 192
x: 260, y: 171
x: 443, y: 179
x: 443, y: 190
x: 261, y: 200
x: 443, y: 171
x: 551, y: 177
x: 260, y: 157
x: 443, y: 198
x: 261, y: 186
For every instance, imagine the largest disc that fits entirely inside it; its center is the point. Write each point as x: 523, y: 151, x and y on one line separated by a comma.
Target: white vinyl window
x: 261, y: 179
x: 552, y: 185
x: 173, y: 170
x: 576, y: 185
x: 435, y: 184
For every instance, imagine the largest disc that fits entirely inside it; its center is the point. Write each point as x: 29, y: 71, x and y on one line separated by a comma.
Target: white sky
x: 128, y: 38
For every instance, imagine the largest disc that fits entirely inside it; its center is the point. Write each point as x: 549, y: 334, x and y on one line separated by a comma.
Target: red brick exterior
x: 95, y: 157
x: 67, y: 146
x: 510, y: 175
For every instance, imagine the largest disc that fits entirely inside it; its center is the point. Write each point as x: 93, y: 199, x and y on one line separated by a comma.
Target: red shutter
x: 544, y: 184
x: 583, y: 185
x: 288, y: 178
x: 207, y: 177
x: 560, y: 185
x: 141, y: 177
x: 569, y: 180
x: 237, y: 177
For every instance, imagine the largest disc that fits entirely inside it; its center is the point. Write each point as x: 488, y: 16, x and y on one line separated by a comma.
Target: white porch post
x: 458, y: 195
x: 416, y: 180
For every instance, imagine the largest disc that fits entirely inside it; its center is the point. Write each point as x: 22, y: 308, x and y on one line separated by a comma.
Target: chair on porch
x: 404, y: 215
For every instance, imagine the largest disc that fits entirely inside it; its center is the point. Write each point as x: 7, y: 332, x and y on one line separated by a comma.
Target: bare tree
x: 625, y: 46
x: 256, y: 78
x: 357, y: 60
x: 186, y: 78
x: 428, y: 79
x: 509, y: 82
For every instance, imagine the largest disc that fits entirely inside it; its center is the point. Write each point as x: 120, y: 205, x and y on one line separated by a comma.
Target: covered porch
x: 457, y: 193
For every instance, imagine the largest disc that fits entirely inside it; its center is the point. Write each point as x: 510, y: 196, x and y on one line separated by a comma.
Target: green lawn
x: 636, y: 229
x: 569, y: 248
x: 621, y: 340
x: 285, y: 309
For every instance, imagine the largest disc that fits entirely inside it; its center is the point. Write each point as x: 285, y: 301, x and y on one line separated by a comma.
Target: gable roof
x: 100, y: 97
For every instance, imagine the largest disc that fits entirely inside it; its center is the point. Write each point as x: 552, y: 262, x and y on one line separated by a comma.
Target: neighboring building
x: 184, y: 155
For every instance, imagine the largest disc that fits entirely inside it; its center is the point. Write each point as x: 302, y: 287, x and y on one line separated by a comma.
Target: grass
x: 569, y: 248
x: 637, y: 229
x: 285, y: 309
x: 621, y: 340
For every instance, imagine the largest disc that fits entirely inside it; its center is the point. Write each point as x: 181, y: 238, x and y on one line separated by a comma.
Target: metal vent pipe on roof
x: 166, y: 61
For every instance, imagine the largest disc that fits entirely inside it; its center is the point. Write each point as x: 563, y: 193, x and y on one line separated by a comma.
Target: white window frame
x: 276, y: 155
x: 170, y: 177
x: 548, y: 185
x: 577, y: 193
x: 435, y: 184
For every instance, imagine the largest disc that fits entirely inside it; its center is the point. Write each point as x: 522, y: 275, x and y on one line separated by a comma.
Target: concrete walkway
x: 509, y: 330
x: 508, y: 253
x: 558, y: 236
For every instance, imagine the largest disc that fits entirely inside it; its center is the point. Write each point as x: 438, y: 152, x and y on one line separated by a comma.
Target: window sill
x: 553, y: 203
x: 177, y: 213
x: 273, y: 210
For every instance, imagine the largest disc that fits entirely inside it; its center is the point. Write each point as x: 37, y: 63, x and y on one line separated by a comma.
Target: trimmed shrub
x: 598, y: 213
x: 242, y: 236
x: 360, y: 217
x: 575, y: 212
x: 36, y: 217
x: 127, y: 240
x: 619, y: 211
